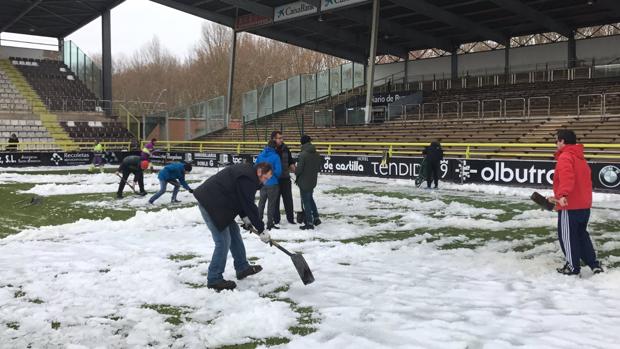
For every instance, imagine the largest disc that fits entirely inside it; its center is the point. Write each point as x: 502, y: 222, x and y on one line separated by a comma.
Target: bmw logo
x: 609, y: 176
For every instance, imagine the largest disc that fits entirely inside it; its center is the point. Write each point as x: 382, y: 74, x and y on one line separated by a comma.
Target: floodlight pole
x: 231, y: 75
x: 370, y: 79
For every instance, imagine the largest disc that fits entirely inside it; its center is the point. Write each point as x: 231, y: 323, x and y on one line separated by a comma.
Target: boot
x: 253, y: 269
x: 306, y: 226
x: 223, y: 285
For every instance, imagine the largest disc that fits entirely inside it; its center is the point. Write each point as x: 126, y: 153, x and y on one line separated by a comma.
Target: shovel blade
x: 302, y: 268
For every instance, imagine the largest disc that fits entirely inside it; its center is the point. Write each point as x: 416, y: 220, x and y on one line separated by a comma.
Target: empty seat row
x: 20, y: 122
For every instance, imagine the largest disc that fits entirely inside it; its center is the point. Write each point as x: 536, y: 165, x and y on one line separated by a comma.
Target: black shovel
x: 298, y: 261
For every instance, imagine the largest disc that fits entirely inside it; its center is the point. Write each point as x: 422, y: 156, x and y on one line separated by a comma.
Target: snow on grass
x: 395, y: 267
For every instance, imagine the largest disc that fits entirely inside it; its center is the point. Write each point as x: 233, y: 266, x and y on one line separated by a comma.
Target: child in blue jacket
x: 172, y: 174
x: 271, y: 190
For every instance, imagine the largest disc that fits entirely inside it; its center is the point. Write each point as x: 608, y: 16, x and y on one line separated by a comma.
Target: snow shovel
x: 298, y: 261
x: 133, y: 188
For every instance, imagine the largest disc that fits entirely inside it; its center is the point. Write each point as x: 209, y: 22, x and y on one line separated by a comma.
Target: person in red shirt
x: 572, y: 196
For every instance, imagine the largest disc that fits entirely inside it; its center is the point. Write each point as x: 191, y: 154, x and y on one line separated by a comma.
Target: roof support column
x: 454, y: 60
x: 507, y: 58
x: 572, y: 50
x: 370, y: 79
x: 406, y: 77
x: 231, y: 76
x: 106, y: 64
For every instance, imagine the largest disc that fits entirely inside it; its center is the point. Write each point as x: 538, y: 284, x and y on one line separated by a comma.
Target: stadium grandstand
x: 413, y: 77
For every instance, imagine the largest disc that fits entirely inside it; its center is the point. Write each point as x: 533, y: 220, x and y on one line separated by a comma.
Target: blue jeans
x: 162, y: 190
x: 310, y: 211
x: 225, y: 240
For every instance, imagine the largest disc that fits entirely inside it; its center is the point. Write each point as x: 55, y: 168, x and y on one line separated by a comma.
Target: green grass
x: 175, y: 315
x: 53, y: 210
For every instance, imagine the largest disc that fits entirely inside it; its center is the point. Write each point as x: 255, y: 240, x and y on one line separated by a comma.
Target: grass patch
x: 55, y: 325
x: 307, y: 316
x: 182, y: 257
x: 19, y: 294
x: 175, y: 314
x: 194, y: 285
x: 52, y: 210
x: 13, y: 325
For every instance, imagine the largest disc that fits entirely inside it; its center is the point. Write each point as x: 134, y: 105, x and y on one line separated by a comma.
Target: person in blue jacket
x: 172, y: 174
x: 271, y: 190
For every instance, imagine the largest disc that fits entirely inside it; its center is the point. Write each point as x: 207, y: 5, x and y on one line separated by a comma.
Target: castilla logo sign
x: 609, y: 176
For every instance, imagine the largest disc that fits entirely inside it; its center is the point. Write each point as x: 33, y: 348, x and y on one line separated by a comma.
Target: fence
x: 300, y: 89
x: 463, y: 150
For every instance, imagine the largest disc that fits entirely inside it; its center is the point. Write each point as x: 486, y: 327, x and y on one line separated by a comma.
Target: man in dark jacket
x: 434, y: 155
x: 307, y: 171
x: 221, y: 198
x: 572, y: 194
x: 284, y: 181
x: 131, y: 164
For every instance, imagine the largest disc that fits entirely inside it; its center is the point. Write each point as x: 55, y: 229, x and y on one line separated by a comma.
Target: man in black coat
x: 284, y: 181
x: 131, y: 164
x: 222, y: 197
x: 434, y: 155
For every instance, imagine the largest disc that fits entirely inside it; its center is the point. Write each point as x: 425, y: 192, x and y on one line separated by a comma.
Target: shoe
x: 151, y: 202
x: 142, y: 193
x: 119, y: 196
x: 317, y: 222
x: 306, y: 227
x: 566, y: 270
x: 290, y: 221
x: 598, y: 269
x: 174, y: 201
x: 253, y: 269
x: 223, y: 285
x: 272, y: 226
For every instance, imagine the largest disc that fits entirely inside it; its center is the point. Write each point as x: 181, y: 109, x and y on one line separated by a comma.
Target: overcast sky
x: 135, y: 22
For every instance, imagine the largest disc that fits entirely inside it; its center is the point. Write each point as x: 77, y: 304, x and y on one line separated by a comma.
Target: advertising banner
x: 529, y: 173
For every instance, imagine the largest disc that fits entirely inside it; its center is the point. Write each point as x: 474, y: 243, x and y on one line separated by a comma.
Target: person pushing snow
x: 221, y: 198
x: 173, y: 174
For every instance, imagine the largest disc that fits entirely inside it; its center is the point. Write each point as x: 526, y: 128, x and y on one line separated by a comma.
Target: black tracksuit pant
x: 432, y: 173
x: 287, y: 197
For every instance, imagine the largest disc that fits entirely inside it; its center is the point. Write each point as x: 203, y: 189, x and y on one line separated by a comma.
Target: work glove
x: 247, y: 224
x: 191, y: 191
x: 264, y: 237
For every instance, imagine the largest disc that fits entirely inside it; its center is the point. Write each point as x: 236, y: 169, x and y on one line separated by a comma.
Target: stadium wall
x: 22, y: 52
x: 602, y: 49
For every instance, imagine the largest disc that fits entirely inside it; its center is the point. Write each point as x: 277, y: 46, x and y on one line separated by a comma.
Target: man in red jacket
x: 572, y: 196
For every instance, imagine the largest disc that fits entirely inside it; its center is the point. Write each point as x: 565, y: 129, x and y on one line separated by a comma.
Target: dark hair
x: 153, y: 140
x: 305, y: 139
x: 264, y: 167
x: 568, y: 136
x: 275, y: 133
x: 187, y: 167
x: 272, y: 144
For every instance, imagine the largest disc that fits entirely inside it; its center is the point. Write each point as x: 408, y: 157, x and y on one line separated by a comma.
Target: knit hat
x: 187, y: 167
x: 305, y: 139
x: 144, y: 164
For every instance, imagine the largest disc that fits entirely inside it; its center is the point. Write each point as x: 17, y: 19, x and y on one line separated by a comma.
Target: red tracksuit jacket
x: 572, y: 178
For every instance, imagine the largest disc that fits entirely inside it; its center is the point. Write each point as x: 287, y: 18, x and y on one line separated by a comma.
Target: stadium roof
x: 341, y: 27
x: 54, y: 18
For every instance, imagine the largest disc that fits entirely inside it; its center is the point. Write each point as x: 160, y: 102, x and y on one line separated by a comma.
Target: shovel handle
x: 273, y: 243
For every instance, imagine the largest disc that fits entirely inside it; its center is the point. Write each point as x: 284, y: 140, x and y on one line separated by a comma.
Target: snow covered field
x: 395, y: 266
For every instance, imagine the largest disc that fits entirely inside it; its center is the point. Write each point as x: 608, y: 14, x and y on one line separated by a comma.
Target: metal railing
x: 464, y: 150
x: 58, y: 145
